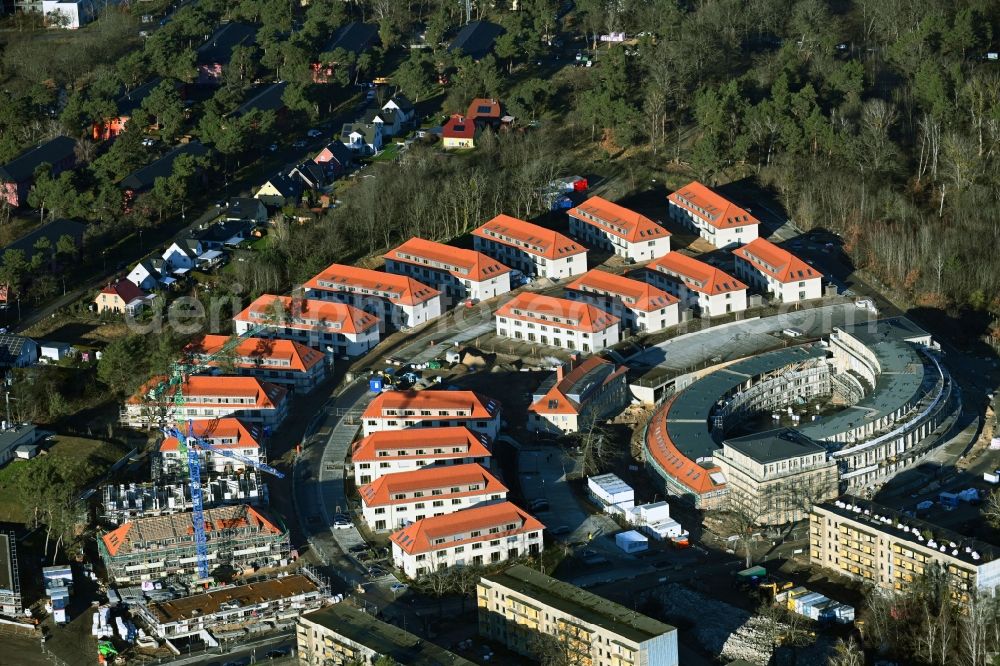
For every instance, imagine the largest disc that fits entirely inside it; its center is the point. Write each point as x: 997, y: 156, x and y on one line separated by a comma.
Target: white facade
x: 611, y: 491
x: 557, y: 336
x: 595, y: 236
x: 713, y: 217
x: 71, y: 14
x: 458, y: 289
x: 397, y: 410
x: 530, y: 248
x: 698, y: 285
x: 182, y: 257
x: 639, y: 305
x: 458, y: 273
x: 637, y: 319
x: 600, y: 223
x: 142, y: 277
x: 557, y: 322
x: 787, y: 291
x: 399, y: 301
x: 533, y: 264
x: 337, y: 344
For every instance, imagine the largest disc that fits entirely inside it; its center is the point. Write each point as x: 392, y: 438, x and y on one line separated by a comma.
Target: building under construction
x: 155, y: 547
x: 10, y: 584
x: 123, y: 502
x: 237, y: 608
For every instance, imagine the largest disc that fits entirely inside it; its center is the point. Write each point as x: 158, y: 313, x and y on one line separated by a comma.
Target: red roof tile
x: 779, y: 263
x: 420, y: 535
x: 634, y: 294
x: 397, y: 289
x: 618, y: 220
x: 242, y: 436
x: 713, y: 208
x: 459, y: 127
x: 470, y: 444
x: 381, y: 491
x: 463, y: 264
x: 264, y: 353
x: 474, y: 405
x: 696, y: 275
x: 308, y: 314
x: 557, y: 312
x: 529, y: 237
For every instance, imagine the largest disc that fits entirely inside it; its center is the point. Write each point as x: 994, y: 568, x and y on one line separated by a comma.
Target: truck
x: 752, y: 576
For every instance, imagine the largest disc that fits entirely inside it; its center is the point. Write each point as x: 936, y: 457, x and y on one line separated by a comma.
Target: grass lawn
x: 387, y: 155
x: 66, y: 454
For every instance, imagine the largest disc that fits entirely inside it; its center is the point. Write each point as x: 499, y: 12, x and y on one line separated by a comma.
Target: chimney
x: 559, y: 373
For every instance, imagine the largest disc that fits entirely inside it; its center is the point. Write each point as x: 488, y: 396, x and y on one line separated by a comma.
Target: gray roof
x: 688, y: 421
x: 904, y: 377
x: 13, y: 437
x: 355, y: 37
x: 580, y: 603
x: 340, y: 152
x: 11, y: 348
x: 143, y: 178
x: 368, y: 130
x: 385, y: 639
x: 269, y: 98
x: 53, y: 231
x: 774, y: 445
x: 22, y: 167
x: 476, y: 39
x: 218, y: 48
x: 289, y: 187
x: 245, y: 207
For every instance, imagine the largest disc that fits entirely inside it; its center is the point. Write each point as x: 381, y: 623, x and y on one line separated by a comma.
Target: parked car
x: 398, y: 587
x: 149, y: 141
x: 359, y: 548
x: 314, y: 133
x: 341, y: 524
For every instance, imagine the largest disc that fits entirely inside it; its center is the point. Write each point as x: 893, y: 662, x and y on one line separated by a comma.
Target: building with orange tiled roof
x: 573, y: 398
x: 397, y: 299
x: 207, y: 397
x: 398, y: 410
x: 482, y: 535
x: 226, y: 433
x: 601, y: 223
x: 395, y: 500
x: 531, y: 249
x: 337, y: 329
x: 457, y: 272
x: 778, y: 272
x: 698, y: 285
x: 485, y: 112
x: 284, y: 362
x: 712, y: 216
x: 559, y: 322
x: 640, y: 305
x: 458, y: 132
x: 152, y: 548
x: 392, y: 451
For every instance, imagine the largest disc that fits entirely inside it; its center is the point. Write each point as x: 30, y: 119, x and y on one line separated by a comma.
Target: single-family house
x: 476, y: 39
x: 120, y: 296
x: 18, y: 175
x: 458, y: 132
x: 181, y: 256
x: 484, y: 113
x: 228, y: 233
x: 336, y: 158
x: 17, y: 351
x: 109, y: 128
x: 146, y: 274
x: 403, y: 107
x: 142, y: 179
x: 212, y: 56
x: 311, y: 175
x: 54, y: 351
x: 354, y: 38
x: 364, y: 138
x: 280, y: 190
x: 250, y: 209
x: 387, y: 119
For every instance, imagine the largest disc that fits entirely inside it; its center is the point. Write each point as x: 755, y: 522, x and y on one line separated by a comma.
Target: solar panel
x: 484, y: 108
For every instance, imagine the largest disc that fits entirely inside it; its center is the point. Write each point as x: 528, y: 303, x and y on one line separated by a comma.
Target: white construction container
x: 631, y: 542
x: 609, y: 490
x: 991, y: 477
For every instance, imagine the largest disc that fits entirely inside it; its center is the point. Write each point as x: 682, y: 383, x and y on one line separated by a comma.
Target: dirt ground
x: 78, y: 332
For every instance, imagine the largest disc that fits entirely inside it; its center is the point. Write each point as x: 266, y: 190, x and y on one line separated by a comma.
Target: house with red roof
x: 479, y: 536
x: 336, y: 329
x: 485, y: 112
x: 572, y: 399
x: 283, y: 362
x: 600, y: 223
x: 700, y: 286
x: 778, y: 272
x: 530, y: 248
x: 394, y: 500
x: 458, y: 132
x: 206, y: 397
x: 121, y: 297
x: 458, y: 273
x: 559, y: 322
x: 640, y: 305
x: 229, y: 434
x: 713, y: 217
x: 401, y: 410
x: 394, y: 451
x: 396, y: 300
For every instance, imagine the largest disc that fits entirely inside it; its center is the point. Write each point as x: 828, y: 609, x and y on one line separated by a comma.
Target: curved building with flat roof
x: 899, y: 402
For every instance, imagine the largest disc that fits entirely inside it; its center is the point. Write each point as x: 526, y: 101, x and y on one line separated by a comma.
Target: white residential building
x: 399, y: 301
x: 713, y: 217
x: 639, y: 305
x: 598, y: 222
x: 532, y: 249
x: 559, y: 322
x: 396, y: 451
x: 458, y: 273
x: 778, y: 272
x: 593, y: 390
x: 226, y: 433
x: 283, y: 362
x: 207, y: 397
x: 394, y: 501
x: 482, y: 535
x: 397, y: 410
x: 700, y: 286
x: 337, y: 329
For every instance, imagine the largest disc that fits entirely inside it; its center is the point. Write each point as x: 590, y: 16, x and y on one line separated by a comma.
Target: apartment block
x: 235, y: 607
x: 883, y: 547
x: 397, y: 410
x: 228, y: 434
x: 283, y: 362
x: 598, y: 222
x: 713, y: 217
x: 152, y: 548
x: 458, y: 273
x: 395, y: 500
x: 396, y: 451
x: 522, y: 608
x: 640, y: 306
x: 478, y: 536
x: 399, y: 301
x: 207, y: 397
x: 776, y: 475
x: 532, y: 249
x: 337, y: 329
x: 342, y: 634
x: 778, y: 272
x: 570, y: 401
x: 124, y: 502
x: 700, y: 286
x: 559, y: 322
